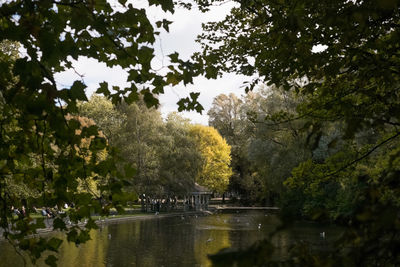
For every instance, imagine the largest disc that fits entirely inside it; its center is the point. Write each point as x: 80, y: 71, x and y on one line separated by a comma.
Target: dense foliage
x: 263, y: 152
x: 164, y: 156
x: 341, y: 58
x: 215, y: 170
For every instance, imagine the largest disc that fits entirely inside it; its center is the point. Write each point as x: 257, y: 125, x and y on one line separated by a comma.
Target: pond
x: 176, y: 241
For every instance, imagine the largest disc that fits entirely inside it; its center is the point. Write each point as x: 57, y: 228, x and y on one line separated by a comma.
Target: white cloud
x: 92, y: 73
x: 209, y: 89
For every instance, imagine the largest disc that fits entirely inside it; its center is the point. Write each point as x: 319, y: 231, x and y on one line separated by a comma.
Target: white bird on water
x: 209, y: 240
x: 322, y: 235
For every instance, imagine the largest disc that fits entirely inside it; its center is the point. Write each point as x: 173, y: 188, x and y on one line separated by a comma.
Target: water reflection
x: 169, y: 241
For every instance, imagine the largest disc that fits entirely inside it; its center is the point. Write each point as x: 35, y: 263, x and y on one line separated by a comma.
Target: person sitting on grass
x: 45, y: 213
x: 50, y: 213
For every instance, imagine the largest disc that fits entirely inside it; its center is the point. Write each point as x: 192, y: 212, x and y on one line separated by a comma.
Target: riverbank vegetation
x: 317, y: 132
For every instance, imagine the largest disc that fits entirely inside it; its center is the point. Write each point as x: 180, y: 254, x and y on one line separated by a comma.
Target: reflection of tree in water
x: 7, y: 254
x: 152, y: 243
x: 92, y: 253
x: 178, y: 242
x: 210, y: 236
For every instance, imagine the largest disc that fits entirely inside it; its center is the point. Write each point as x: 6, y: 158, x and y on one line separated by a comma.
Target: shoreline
x: 111, y: 219
x: 115, y: 220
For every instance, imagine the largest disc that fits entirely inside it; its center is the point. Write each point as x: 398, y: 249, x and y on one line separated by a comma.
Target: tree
x: 226, y: 116
x: 180, y: 158
x: 275, y: 149
x: 139, y: 144
x: 339, y: 64
x: 263, y: 152
x: 215, y: 170
x: 105, y: 115
x: 343, y: 58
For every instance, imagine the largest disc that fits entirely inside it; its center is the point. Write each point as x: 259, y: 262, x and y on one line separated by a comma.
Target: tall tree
x: 275, y: 149
x: 215, y: 170
x: 224, y: 115
x: 180, y: 159
x: 230, y: 119
x: 139, y: 143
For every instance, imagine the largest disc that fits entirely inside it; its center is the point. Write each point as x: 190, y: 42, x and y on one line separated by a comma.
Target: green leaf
x: 173, y: 78
x: 92, y: 130
x: 103, y: 89
x: 129, y: 171
x: 166, y: 24
x: 58, y: 223
x: 91, y: 224
x: 78, y: 91
x: 98, y: 143
x: 82, y: 237
x: 174, y: 57
x: 51, y: 260
x: 167, y: 5
x: 145, y: 55
x: 54, y: 244
x: 149, y: 99
x: 72, y: 235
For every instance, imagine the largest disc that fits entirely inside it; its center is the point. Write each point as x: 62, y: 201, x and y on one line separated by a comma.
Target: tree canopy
x: 215, y: 171
x: 163, y: 155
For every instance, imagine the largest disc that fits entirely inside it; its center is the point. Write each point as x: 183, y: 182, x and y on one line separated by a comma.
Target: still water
x: 175, y: 241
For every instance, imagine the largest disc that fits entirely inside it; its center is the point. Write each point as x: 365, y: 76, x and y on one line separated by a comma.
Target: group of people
x: 44, y: 211
x: 47, y: 212
x: 19, y: 212
x: 51, y: 212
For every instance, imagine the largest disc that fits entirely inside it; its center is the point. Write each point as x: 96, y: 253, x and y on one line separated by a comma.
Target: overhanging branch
x: 366, y: 154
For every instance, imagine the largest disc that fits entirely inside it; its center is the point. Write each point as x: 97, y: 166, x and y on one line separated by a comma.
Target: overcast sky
x: 181, y: 38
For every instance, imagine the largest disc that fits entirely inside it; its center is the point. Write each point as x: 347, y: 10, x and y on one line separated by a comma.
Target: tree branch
x: 365, y: 155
